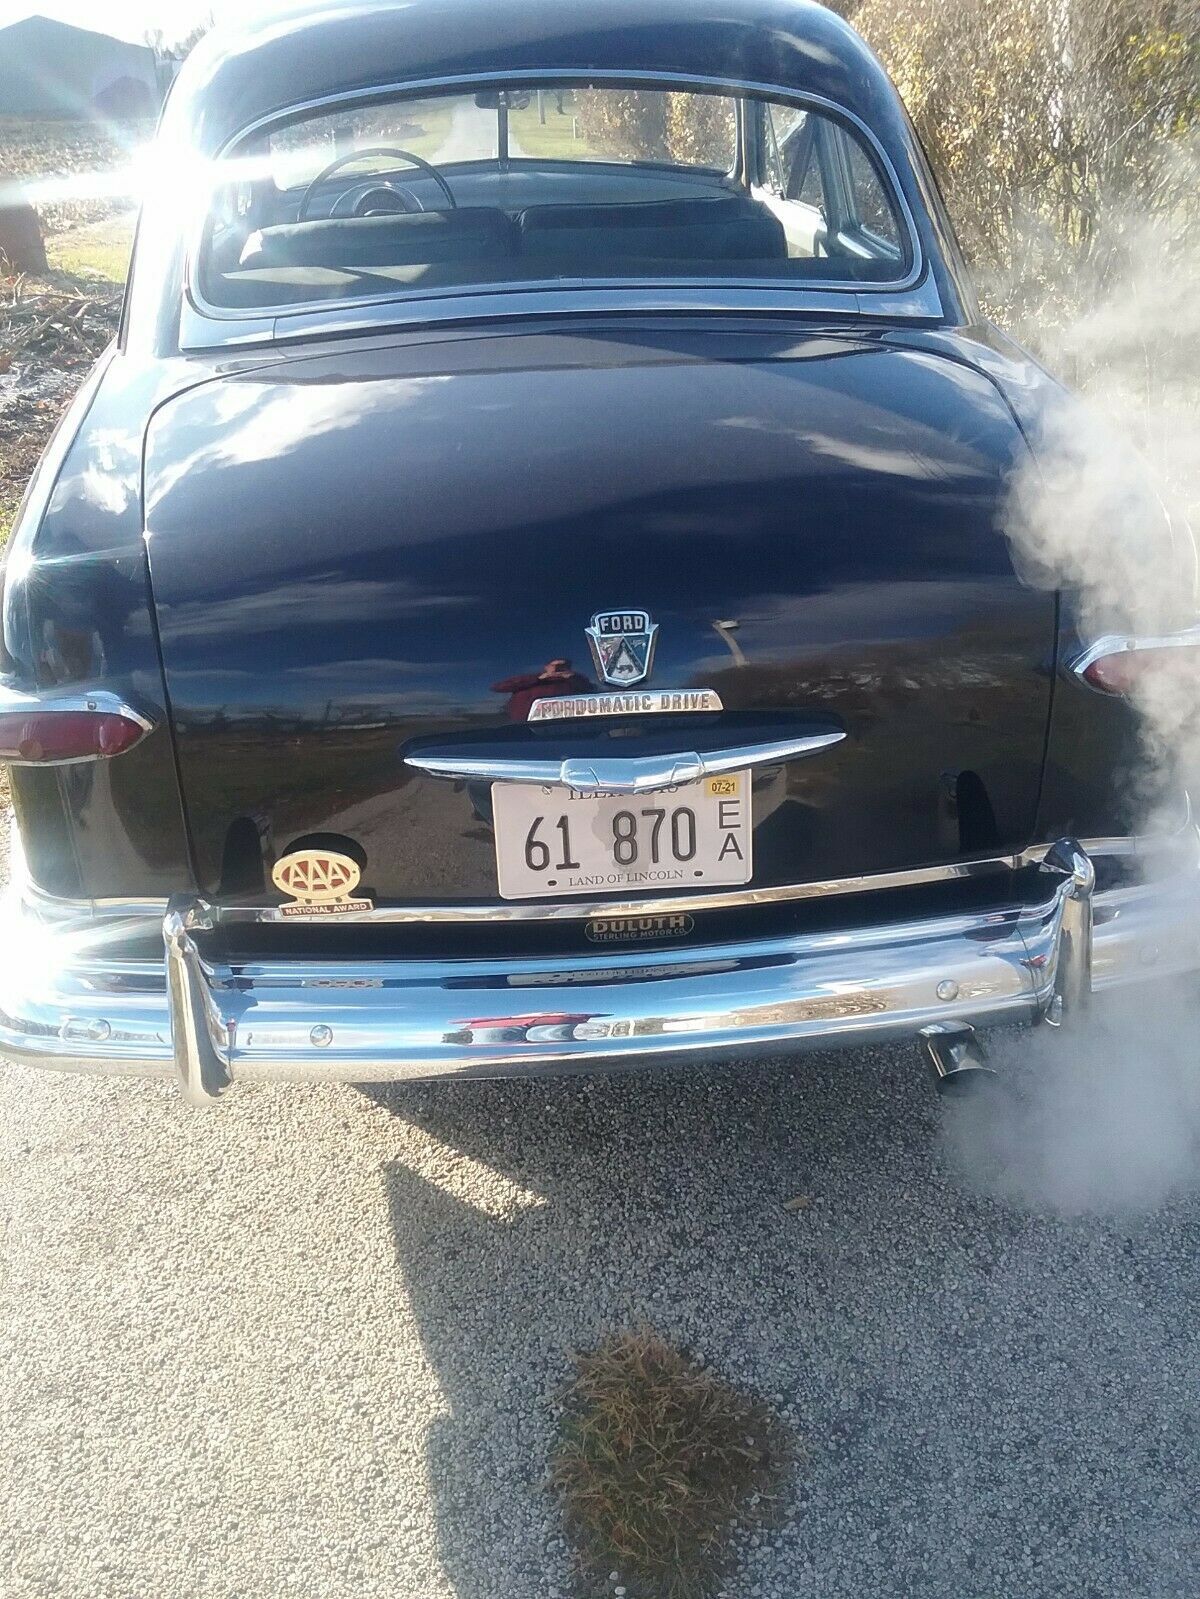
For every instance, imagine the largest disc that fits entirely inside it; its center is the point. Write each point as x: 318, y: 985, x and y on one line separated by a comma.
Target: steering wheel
x: 358, y: 155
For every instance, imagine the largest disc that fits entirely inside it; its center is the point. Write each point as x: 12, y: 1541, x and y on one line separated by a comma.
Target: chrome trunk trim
x: 644, y: 774
x: 1180, y: 849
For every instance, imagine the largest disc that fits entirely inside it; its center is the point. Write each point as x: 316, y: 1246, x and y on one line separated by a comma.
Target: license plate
x: 552, y: 842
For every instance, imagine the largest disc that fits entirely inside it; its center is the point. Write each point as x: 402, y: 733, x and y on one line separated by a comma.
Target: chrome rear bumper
x: 65, y: 1002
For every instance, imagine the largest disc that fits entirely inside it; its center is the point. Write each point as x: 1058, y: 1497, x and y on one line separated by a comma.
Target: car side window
x: 791, y: 178
x: 786, y: 131
x: 869, y: 208
x: 821, y: 183
x: 805, y: 181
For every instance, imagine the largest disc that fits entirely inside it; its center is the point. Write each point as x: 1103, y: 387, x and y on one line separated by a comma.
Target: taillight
x: 1117, y: 665
x: 44, y: 729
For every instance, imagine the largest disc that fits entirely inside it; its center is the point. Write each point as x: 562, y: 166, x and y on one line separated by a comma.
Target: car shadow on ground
x: 964, y: 1378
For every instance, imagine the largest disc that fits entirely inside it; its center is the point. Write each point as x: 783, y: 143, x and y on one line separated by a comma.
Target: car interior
x: 752, y: 191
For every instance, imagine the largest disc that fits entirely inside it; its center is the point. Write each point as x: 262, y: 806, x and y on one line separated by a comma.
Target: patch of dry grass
x: 62, y: 323
x: 660, y: 1462
x: 50, y: 333
x: 53, y: 327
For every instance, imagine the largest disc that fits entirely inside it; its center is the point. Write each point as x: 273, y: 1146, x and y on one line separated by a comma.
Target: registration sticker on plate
x: 553, y: 842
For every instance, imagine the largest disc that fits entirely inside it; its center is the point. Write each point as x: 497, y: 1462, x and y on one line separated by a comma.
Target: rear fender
x: 77, y: 615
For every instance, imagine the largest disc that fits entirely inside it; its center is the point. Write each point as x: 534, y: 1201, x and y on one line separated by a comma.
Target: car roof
x: 235, y: 79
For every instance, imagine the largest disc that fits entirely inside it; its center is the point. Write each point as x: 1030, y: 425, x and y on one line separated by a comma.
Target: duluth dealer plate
x: 552, y: 842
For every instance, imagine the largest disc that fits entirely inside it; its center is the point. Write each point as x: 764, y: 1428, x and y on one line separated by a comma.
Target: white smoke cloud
x: 1105, y: 1118
x: 1107, y: 1113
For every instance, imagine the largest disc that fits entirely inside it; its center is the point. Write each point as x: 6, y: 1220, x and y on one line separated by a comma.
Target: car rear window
x: 546, y: 185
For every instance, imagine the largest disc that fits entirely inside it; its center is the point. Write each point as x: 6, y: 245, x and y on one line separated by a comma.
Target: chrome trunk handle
x: 639, y: 774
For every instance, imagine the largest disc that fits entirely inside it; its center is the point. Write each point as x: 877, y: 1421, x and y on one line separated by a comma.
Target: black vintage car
x: 528, y: 587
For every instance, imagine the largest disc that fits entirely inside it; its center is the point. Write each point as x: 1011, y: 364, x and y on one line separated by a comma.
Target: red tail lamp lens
x: 1121, y: 672
x: 1114, y: 674
x: 33, y: 737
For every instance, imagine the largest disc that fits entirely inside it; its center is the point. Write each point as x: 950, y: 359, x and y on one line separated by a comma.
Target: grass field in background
x: 98, y: 251
x: 433, y: 117
x: 554, y: 139
x: 47, y: 155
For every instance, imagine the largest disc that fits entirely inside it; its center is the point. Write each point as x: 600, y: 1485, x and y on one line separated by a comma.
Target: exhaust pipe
x: 954, y: 1054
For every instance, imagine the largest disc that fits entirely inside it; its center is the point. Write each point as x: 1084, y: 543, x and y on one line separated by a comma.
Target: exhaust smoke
x: 1107, y: 1112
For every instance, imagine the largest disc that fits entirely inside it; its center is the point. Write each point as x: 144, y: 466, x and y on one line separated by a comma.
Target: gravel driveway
x: 311, y: 1343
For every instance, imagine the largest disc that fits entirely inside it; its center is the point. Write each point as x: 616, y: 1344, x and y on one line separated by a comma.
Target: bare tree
x: 177, y: 47
x: 1060, y: 129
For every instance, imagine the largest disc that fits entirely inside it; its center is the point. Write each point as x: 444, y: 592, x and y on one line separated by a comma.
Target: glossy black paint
x: 77, y: 611
x: 403, y: 525
x: 350, y: 543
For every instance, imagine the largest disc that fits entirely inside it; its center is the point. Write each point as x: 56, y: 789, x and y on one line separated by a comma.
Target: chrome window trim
x: 198, y: 334
x: 1122, y: 848
x: 483, y: 298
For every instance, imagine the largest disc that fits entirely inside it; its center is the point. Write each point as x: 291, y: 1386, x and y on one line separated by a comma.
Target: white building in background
x: 53, y: 70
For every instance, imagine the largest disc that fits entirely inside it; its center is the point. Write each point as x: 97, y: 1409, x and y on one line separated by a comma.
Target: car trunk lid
x: 360, y: 554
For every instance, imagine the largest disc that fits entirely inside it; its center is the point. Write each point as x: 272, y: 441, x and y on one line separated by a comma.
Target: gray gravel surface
x: 312, y: 1342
